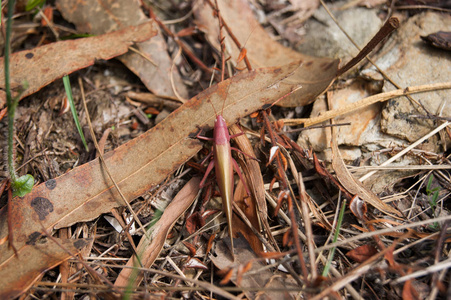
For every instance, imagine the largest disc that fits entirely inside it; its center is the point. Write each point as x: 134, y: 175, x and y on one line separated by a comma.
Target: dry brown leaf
x: 151, y: 62
x: 253, y: 175
x: 86, y: 192
x: 352, y: 185
x: 261, y: 277
x: 55, y: 60
x: 150, y: 249
x: 315, y: 74
x: 248, y: 206
x: 409, y: 292
x: 361, y: 253
x: 18, y: 273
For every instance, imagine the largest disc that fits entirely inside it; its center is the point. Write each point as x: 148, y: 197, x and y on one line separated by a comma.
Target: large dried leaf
x: 18, y: 273
x: 86, y: 192
x: 155, y: 70
x: 315, y: 74
x: 149, y: 249
x: 43, y: 65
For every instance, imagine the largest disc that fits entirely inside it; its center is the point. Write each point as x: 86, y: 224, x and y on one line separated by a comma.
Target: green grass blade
x: 68, y: 89
x: 337, y: 232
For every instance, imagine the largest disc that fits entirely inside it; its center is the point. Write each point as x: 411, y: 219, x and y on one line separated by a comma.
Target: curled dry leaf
x: 362, y: 253
x: 315, y: 74
x: 354, y: 186
x: 358, y: 207
x: 195, y: 263
x: 55, y: 60
x: 149, y: 249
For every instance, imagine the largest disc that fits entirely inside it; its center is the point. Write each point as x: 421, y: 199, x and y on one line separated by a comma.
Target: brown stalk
x: 232, y: 36
x: 275, y: 140
x: 391, y: 25
x: 179, y: 42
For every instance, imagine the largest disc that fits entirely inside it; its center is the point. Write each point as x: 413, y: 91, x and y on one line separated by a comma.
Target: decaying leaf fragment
x: 352, y: 185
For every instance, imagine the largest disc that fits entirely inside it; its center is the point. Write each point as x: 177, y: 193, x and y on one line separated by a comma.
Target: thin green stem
x: 337, y: 232
x: 10, y: 102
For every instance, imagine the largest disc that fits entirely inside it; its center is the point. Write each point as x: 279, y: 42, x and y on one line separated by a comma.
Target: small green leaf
x: 76, y: 36
x: 68, y: 89
x: 33, y: 3
x: 23, y: 185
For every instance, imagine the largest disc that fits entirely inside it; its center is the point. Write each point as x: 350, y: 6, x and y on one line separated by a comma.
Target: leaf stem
x: 10, y: 102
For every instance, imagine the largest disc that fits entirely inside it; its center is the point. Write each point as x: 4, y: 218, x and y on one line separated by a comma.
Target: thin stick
x: 324, y: 116
x: 391, y: 25
x: 103, y: 160
x: 433, y: 132
x: 369, y: 59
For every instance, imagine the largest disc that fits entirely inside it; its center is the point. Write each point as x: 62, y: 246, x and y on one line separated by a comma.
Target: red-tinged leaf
x: 319, y: 280
x: 64, y: 106
x: 195, y: 263
x: 247, y: 267
x: 254, y: 115
x: 390, y: 258
x: 134, y: 125
x: 286, y: 238
x: 186, y: 32
x: 191, y: 248
x: 152, y: 110
x: 55, y: 60
x: 171, y: 234
x: 243, y: 53
x: 3, y: 113
x: 208, y: 213
x: 409, y: 292
x: 48, y: 13
x: 210, y: 243
x: 249, y: 208
x: 227, y: 277
x: 194, y: 222
x: 361, y: 253
x: 272, y: 255
x: 358, y: 207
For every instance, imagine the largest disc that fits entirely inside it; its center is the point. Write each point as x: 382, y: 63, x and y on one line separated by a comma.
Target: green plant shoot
x: 68, y: 89
x: 22, y: 185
